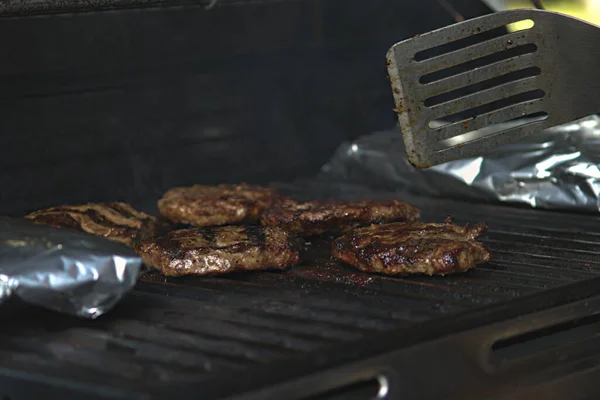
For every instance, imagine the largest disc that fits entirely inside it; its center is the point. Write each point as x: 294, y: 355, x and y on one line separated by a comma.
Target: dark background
x: 122, y: 104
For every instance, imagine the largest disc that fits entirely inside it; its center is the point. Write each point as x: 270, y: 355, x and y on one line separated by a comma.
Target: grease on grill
x: 331, y: 272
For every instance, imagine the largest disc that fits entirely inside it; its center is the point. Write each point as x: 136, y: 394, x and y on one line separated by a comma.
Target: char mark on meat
x: 317, y: 217
x: 115, y: 221
x: 218, y: 250
x: 413, y: 248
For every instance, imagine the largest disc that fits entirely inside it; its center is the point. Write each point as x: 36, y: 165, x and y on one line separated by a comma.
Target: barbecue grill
x: 125, y: 102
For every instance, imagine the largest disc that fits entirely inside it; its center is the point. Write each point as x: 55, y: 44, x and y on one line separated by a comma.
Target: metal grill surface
x: 172, y: 332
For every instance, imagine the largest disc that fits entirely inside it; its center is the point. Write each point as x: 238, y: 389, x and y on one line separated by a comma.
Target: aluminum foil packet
x: 557, y: 169
x: 66, y: 271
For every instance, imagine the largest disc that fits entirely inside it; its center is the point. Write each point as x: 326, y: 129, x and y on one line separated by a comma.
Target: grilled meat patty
x: 216, y: 250
x: 319, y: 216
x: 115, y: 221
x: 413, y: 248
x: 200, y: 205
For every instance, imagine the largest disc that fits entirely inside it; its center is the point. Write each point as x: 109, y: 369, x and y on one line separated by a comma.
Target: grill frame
x: 465, y: 343
x: 300, y: 333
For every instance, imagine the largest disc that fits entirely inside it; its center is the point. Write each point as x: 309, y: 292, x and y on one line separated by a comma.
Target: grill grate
x: 171, y: 333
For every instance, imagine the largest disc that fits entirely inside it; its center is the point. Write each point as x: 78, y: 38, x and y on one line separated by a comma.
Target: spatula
x: 466, y: 89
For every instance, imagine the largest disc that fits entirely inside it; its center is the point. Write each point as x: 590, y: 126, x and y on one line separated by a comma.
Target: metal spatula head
x: 466, y: 89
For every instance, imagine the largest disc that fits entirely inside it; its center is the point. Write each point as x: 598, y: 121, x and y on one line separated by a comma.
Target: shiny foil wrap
x: 63, y: 270
x: 557, y: 168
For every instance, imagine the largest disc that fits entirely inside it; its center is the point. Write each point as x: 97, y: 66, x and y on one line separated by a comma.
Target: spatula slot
x: 471, y: 135
x: 465, y: 115
x: 459, y: 44
x: 478, y: 36
x: 477, y: 87
x: 478, y: 63
x: 520, y: 25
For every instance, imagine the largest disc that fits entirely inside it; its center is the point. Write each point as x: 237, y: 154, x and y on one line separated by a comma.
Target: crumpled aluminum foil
x: 558, y: 168
x: 66, y: 271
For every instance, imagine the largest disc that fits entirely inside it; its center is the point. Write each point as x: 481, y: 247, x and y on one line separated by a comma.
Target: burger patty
x: 217, y: 250
x: 413, y: 248
x: 216, y: 205
x: 316, y: 217
x: 115, y: 221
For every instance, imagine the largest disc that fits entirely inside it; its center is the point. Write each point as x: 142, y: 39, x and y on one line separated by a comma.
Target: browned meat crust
x: 216, y: 205
x: 316, y: 217
x: 115, y: 221
x: 413, y: 248
x: 216, y: 250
